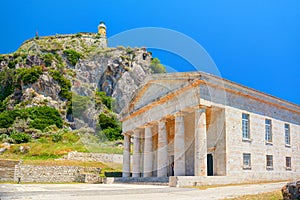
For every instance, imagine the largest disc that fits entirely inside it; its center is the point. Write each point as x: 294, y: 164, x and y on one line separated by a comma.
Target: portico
x: 165, y: 146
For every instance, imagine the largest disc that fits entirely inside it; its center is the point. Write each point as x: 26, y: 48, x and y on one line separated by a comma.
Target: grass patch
x: 111, y: 170
x: 204, y: 187
x: 275, y: 195
x: 53, y: 162
x: 45, y: 148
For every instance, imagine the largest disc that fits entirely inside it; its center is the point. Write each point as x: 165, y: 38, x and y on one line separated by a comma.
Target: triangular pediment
x: 153, y: 90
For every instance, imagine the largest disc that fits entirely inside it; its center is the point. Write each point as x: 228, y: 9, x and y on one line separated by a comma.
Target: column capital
x: 137, y: 130
x: 149, y: 124
x: 128, y: 133
x: 164, y: 119
x: 200, y: 107
x: 180, y: 114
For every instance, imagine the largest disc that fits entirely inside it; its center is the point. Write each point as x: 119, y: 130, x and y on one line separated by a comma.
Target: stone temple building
x: 198, y: 128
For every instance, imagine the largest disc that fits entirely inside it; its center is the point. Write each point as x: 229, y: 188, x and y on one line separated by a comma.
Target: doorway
x: 171, y: 166
x: 210, y: 166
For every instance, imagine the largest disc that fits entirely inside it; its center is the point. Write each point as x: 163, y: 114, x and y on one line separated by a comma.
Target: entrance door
x: 210, y: 166
x: 171, y: 166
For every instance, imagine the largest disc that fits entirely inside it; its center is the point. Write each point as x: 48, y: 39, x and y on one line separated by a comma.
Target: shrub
x: 70, y: 137
x: 64, y: 84
x: 80, y: 104
x: 110, y: 126
x: 7, y: 82
x: 31, y: 75
x: 1, y: 58
x: 12, y: 64
x: 72, y: 56
x: 7, y: 118
x: 48, y: 58
x: 106, y: 121
x: 102, y: 98
x: 3, y: 137
x: 78, y: 35
x: 58, y: 58
x: 157, y: 67
x: 113, y: 133
x: 43, y: 117
x: 57, y: 137
x: 20, y: 137
x: 129, y: 50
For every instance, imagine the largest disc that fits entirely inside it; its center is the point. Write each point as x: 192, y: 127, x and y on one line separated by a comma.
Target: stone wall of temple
x: 217, y: 106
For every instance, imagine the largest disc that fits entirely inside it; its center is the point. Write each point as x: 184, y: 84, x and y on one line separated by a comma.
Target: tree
x: 157, y: 67
x: 31, y: 75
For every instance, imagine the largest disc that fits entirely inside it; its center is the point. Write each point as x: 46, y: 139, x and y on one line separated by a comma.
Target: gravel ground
x: 126, y: 191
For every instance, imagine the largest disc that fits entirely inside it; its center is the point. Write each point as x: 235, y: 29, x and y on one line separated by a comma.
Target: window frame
x: 248, y: 156
x: 268, y: 131
x: 246, y: 128
x: 269, y: 162
x: 288, y: 163
x: 287, y: 132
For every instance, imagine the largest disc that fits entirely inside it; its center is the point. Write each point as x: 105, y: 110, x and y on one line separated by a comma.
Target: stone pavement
x: 126, y: 191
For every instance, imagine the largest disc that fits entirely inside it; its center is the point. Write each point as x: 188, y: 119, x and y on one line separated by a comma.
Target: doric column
x: 162, y: 149
x: 200, y: 143
x: 179, y: 146
x: 126, y: 156
x: 148, y: 152
x: 136, y: 168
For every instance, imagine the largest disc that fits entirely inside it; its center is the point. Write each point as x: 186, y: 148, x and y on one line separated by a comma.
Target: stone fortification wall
x: 7, y: 169
x: 54, y: 174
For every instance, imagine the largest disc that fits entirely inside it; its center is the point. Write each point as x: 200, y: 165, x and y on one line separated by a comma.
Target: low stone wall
x: 96, y: 157
x: 7, y: 169
x: 54, y: 174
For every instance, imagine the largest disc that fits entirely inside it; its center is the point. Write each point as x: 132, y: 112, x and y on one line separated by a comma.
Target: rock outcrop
x: 118, y: 72
x: 83, y: 60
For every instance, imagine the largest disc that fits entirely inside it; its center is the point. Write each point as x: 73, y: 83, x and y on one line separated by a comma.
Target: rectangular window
x: 246, y: 161
x: 245, y: 126
x: 288, y: 162
x: 268, y: 125
x: 269, y: 159
x: 287, y: 134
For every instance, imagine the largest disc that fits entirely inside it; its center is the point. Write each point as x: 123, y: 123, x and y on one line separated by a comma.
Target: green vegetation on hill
x: 38, y: 109
x: 39, y: 117
x: 47, y: 146
x: 72, y: 56
x: 7, y: 84
x: 157, y: 67
x: 65, y: 84
x: 31, y: 75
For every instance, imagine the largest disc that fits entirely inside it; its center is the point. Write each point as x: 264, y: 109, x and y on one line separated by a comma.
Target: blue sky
x: 253, y: 42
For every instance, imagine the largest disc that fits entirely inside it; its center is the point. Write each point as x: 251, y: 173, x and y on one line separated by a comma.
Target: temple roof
x: 157, y: 86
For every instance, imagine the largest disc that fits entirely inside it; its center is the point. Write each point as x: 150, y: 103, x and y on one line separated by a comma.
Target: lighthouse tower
x: 102, y: 29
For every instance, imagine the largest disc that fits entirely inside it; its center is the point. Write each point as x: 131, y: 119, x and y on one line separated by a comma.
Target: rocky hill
x: 76, y: 76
